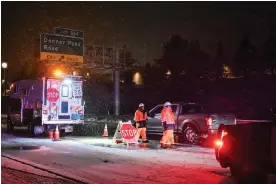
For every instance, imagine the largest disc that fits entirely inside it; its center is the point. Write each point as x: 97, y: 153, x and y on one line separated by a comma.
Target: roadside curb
x: 54, y: 171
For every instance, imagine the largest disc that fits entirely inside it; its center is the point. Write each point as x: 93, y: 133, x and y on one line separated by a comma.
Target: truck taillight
x: 80, y: 112
x: 223, y: 133
x: 218, y: 143
x: 209, y: 121
x: 16, y: 116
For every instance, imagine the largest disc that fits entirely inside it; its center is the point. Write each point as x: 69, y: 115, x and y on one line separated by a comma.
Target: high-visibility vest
x: 140, y: 116
x: 168, y: 116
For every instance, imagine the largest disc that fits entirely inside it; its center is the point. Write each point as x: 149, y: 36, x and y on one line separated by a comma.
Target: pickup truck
x: 192, y: 122
x: 249, y: 150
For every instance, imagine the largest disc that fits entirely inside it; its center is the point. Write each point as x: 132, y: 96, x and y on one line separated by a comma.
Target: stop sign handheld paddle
x: 128, y: 132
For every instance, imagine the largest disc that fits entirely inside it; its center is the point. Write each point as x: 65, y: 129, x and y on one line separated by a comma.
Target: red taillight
x: 209, y: 121
x: 223, y: 133
x: 218, y: 143
x: 16, y: 116
x: 80, y: 112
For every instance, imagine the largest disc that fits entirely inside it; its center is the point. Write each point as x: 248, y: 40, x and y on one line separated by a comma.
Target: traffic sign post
x: 127, y: 132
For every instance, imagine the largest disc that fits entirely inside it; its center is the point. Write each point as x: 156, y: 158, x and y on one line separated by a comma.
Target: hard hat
x: 167, y: 104
x: 141, y: 105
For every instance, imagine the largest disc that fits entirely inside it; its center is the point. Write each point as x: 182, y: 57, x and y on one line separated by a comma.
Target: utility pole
x: 4, y: 66
x: 103, y: 54
x: 116, y: 81
x: 124, y: 57
x: 124, y: 49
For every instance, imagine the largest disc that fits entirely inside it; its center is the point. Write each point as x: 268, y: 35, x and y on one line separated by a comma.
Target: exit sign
x: 69, y: 32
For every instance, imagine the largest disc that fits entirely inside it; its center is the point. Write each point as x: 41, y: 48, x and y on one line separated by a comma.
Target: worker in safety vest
x: 140, y: 118
x: 168, y: 122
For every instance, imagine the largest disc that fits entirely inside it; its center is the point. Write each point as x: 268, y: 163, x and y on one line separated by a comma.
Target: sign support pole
x: 116, y: 80
x: 117, y: 132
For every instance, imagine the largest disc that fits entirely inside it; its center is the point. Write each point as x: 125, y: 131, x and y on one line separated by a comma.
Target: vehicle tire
x: 191, y: 135
x: 10, y: 126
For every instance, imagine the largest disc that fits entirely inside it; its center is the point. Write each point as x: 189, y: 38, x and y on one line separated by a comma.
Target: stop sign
x: 52, y: 94
x: 128, y: 131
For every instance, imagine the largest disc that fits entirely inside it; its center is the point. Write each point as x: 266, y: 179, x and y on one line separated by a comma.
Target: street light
x: 58, y: 73
x: 4, y: 66
x: 137, y: 78
x: 169, y: 72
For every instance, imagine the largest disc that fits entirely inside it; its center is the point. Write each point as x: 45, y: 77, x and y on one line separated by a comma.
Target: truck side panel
x: 29, y: 91
x: 196, y: 119
x: 76, y: 107
x: 63, y: 101
x: 51, y: 106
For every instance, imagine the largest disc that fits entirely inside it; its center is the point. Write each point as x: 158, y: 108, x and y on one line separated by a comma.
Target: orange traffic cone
x: 143, y: 146
x: 105, y: 134
x: 56, y: 135
x: 50, y: 134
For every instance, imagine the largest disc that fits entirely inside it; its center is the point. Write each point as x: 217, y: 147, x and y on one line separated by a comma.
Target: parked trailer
x: 45, y: 103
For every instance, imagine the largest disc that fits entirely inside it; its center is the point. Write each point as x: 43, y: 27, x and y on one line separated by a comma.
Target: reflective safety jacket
x: 140, y: 117
x: 167, y: 116
x: 167, y: 119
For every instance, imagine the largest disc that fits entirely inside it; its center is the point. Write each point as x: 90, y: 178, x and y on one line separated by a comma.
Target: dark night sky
x: 140, y: 25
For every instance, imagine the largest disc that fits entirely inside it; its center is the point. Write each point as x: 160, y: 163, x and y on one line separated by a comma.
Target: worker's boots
x: 164, y: 146
x: 171, y: 147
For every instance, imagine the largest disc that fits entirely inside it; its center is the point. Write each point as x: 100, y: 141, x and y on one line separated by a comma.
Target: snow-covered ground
x: 98, y: 160
x: 16, y: 173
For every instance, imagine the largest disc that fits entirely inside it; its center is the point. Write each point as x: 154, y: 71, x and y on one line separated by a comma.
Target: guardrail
x: 101, y: 117
x: 252, y: 121
x: 129, y: 117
